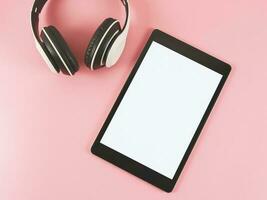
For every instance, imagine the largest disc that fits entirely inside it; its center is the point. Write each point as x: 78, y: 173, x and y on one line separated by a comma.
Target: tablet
x: 161, y: 110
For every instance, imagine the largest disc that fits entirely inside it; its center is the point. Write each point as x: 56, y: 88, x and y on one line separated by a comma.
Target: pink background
x: 48, y: 122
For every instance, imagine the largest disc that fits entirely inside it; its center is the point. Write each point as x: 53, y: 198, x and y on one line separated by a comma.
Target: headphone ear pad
x: 106, y: 33
x: 59, y: 50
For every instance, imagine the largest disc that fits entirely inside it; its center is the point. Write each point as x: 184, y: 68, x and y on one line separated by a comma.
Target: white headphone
x: 104, y: 49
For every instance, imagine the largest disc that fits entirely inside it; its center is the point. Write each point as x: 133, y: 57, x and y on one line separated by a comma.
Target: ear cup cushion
x: 51, y: 51
x: 98, y: 45
x: 50, y: 55
x: 57, y: 41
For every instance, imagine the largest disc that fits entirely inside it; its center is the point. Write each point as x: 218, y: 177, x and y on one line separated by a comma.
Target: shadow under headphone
x: 104, y: 49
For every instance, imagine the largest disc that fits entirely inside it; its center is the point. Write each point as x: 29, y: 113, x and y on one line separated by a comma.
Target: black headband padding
x: 38, y: 6
x: 36, y: 10
x: 126, y: 5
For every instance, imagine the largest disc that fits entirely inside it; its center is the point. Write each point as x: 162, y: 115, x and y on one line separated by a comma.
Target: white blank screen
x: 161, y: 110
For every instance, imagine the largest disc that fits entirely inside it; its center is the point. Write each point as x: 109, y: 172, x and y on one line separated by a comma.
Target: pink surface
x: 49, y: 122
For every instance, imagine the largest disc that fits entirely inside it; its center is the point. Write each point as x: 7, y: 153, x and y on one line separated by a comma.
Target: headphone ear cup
x: 59, y: 50
x: 106, y: 33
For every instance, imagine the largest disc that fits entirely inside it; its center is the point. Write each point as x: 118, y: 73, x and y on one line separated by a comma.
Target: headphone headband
x: 39, y: 4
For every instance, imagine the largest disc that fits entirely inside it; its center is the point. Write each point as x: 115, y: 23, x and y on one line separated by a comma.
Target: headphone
x: 104, y: 49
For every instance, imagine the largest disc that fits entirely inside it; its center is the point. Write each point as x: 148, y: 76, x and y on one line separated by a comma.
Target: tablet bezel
x: 131, y: 165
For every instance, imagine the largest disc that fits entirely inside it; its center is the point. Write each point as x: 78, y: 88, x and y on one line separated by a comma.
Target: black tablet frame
x: 129, y: 164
